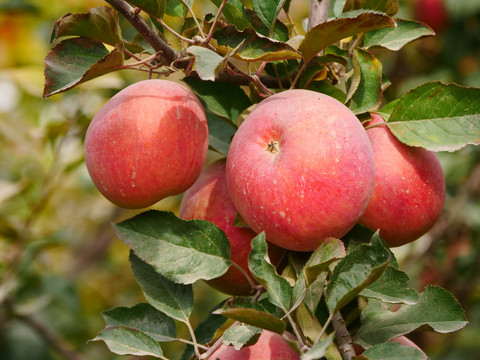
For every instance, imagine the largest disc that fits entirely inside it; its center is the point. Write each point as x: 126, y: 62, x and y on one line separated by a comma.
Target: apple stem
x: 194, y: 338
x: 212, y: 29
x: 324, y: 328
x: 244, y: 273
x: 190, y: 10
x: 174, y: 33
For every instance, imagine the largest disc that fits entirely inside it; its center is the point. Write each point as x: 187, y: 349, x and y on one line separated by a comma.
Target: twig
x: 212, y: 29
x: 194, y: 338
x: 344, y: 340
x: 190, y: 10
x: 174, y: 33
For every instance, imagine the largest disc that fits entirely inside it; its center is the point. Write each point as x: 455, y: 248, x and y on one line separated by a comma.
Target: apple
x: 409, y: 188
x: 270, y: 346
x: 300, y: 168
x: 431, y: 12
x: 208, y: 199
x: 147, y: 142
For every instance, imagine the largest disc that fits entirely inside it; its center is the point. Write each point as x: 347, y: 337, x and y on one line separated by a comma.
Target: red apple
x: 300, y: 168
x: 208, y: 199
x: 147, y: 142
x: 270, y: 346
x: 432, y: 12
x: 409, y: 188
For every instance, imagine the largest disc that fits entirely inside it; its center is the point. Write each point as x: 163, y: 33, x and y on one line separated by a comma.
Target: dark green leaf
x: 174, y: 300
x: 241, y: 335
x: 389, y: 7
x: 182, y: 251
x: 76, y: 60
x: 356, y: 271
x: 329, y: 32
x: 155, y: 8
x: 368, y: 94
x: 279, y: 290
x: 220, y: 98
x: 392, y: 287
x: 394, y: 351
x: 252, y: 313
x: 438, y: 117
x: 280, y: 30
x: 234, y: 13
x: 177, y: 9
x: 267, y: 10
x: 436, y: 308
x: 207, y: 62
x: 396, y: 37
x: 100, y: 24
x: 252, y: 46
x: 220, y: 133
x: 125, y: 341
x: 145, y: 318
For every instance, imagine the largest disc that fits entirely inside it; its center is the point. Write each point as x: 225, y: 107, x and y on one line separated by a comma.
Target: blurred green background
x: 60, y: 264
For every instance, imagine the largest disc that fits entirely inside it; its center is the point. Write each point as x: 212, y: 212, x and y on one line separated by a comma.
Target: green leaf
x: 308, y: 322
x: 177, y: 9
x: 207, y: 62
x: 395, y: 38
x: 438, y: 117
x: 338, y: 7
x: 392, y: 287
x: 220, y: 133
x: 279, y: 290
x: 100, y: 24
x: 389, y: 7
x: 329, y: 32
x: 241, y: 335
x: 145, y: 318
x: 394, y: 351
x: 386, y: 110
x: 368, y: 93
x: 234, y: 13
x: 252, y: 46
x: 174, y: 300
x: 182, y: 251
x: 356, y: 271
x: 76, y: 60
x: 220, y: 98
x: 327, y: 253
x: 125, y: 341
x: 155, y: 8
x: 436, y: 308
x: 280, y: 30
x: 250, y: 312
x: 318, y: 350
x: 267, y: 10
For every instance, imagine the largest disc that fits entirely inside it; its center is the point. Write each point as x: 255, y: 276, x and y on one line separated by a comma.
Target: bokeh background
x: 60, y: 264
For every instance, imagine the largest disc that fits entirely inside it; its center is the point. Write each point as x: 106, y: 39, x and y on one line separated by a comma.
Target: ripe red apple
x: 409, y: 188
x: 301, y: 168
x: 208, y: 199
x: 147, y: 142
x: 270, y: 346
x: 432, y: 12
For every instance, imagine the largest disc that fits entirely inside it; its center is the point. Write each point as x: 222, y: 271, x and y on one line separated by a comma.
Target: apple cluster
x: 301, y: 168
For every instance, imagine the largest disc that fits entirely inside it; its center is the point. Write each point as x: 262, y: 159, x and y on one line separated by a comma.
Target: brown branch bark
x: 344, y: 339
x: 318, y: 12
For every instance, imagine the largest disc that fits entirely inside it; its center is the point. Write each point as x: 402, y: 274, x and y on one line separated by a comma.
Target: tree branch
x: 318, y: 12
x: 344, y: 340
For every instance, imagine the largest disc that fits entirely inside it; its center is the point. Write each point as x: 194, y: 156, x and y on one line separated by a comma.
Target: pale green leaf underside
x: 240, y: 335
x: 394, y: 351
x: 207, y: 62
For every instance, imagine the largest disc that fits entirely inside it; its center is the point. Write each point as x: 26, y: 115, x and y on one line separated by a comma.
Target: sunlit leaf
x: 207, y: 62
x: 393, y: 351
x: 182, y: 251
x: 368, y: 92
x: 125, y: 341
x: 153, y: 7
x: 438, y: 117
x: 252, y: 46
x: 395, y: 38
x: 76, y: 60
x: 241, y: 335
x: 436, y: 308
x: 174, y: 300
x: 234, y: 13
x: 329, y: 32
x: 100, y: 24
x: 267, y: 10
x: 145, y: 318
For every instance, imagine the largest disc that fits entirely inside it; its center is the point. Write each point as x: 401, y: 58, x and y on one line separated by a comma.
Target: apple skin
x: 432, y: 12
x: 270, y: 346
x: 147, y: 142
x: 208, y: 199
x: 300, y: 168
x: 409, y: 188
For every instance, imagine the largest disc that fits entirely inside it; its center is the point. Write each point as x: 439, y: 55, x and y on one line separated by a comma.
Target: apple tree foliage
x: 348, y: 290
